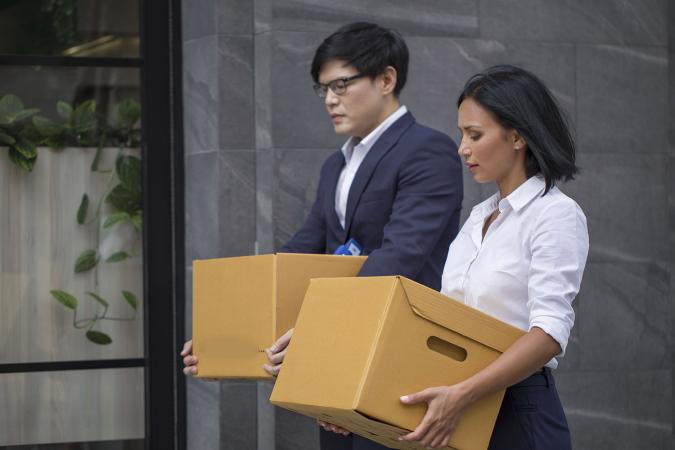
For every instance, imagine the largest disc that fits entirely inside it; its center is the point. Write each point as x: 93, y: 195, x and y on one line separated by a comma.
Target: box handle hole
x: 446, y: 348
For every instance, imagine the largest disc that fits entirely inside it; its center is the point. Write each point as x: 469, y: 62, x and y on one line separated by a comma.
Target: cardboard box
x: 242, y: 305
x: 361, y: 343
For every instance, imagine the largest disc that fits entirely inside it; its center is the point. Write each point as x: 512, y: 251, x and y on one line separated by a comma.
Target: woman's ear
x: 389, y: 78
x: 518, y: 142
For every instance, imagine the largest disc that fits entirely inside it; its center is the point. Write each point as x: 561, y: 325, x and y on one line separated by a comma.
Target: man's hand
x: 189, y: 359
x: 334, y: 428
x: 276, y: 353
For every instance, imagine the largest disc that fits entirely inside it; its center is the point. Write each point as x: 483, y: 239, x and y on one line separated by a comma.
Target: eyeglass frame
x: 321, y: 90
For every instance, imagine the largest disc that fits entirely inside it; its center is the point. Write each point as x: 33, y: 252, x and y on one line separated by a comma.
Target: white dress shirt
x: 528, y: 268
x: 355, y: 151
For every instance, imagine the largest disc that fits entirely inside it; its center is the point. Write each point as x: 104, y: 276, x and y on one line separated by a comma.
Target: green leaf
x: 6, y: 139
x: 98, y: 337
x: 64, y: 298
x: 124, y: 199
x: 10, y: 104
x: 117, y: 257
x: 23, y: 114
x: 17, y: 158
x: 116, y: 218
x: 131, y: 299
x: 46, y: 127
x: 137, y: 221
x: 129, y: 172
x: 98, y: 298
x: 25, y: 147
x: 127, y: 113
x: 84, y: 118
x: 87, y: 261
x: 82, y: 210
x: 64, y: 109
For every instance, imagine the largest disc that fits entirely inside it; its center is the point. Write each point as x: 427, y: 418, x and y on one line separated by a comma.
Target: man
x: 395, y: 187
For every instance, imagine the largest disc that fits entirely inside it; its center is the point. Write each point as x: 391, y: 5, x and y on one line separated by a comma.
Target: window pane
x: 94, y: 28
x: 72, y: 406
x: 137, y: 444
x: 71, y: 262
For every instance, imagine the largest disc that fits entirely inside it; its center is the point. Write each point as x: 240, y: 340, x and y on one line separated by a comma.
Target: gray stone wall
x: 255, y: 137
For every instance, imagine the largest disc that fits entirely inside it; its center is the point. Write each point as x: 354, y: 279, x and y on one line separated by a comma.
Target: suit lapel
x: 367, y: 167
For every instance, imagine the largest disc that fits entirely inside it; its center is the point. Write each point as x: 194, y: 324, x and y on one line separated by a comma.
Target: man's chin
x: 342, y: 130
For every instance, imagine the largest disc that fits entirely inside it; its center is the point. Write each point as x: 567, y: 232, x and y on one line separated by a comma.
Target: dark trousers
x: 531, y: 418
x: 334, y: 441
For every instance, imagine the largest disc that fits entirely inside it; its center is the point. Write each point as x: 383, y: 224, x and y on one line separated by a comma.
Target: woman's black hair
x: 368, y: 47
x: 520, y: 101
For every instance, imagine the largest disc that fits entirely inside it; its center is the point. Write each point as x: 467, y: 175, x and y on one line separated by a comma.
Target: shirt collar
x: 525, y: 193
x: 367, y: 142
x: 516, y: 200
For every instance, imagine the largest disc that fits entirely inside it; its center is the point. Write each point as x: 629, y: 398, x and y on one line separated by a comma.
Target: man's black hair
x: 368, y: 47
x: 520, y: 101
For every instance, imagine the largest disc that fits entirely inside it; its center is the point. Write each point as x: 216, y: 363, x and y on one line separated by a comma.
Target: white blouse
x: 528, y: 268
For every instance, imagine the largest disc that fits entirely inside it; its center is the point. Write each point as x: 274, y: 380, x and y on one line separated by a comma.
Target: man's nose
x: 331, y: 98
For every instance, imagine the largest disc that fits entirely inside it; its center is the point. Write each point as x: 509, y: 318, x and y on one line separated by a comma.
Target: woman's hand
x: 277, y: 352
x: 334, y: 428
x: 445, y: 405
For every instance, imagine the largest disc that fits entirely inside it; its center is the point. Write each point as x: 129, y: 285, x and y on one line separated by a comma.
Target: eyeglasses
x: 338, y: 86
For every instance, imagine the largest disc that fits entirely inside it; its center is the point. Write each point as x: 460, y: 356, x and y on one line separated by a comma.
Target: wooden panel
x: 72, y: 406
x: 40, y: 240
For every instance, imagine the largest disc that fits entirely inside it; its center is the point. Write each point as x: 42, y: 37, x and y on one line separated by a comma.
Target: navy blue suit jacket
x: 403, y: 206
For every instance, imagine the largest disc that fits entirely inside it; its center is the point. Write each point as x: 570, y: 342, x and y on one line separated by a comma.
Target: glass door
x: 76, y: 361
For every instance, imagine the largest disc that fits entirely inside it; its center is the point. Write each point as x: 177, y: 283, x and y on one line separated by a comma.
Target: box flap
x: 292, y: 274
x: 461, y: 318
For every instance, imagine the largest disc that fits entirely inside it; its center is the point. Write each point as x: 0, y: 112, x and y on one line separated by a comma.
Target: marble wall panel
x: 623, y: 197
x: 296, y: 180
x: 578, y: 21
x: 420, y: 18
x: 295, y: 432
x: 624, y: 317
x: 671, y: 25
x: 621, y: 106
x: 266, y: 419
x: 202, y: 181
x: 235, y: 92
x: 238, y: 415
x: 627, y: 409
x: 200, y: 94
x: 265, y: 191
x: 210, y: 17
x: 439, y: 68
x: 607, y: 64
x: 203, y: 414
x: 297, y: 117
x: 236, y: 203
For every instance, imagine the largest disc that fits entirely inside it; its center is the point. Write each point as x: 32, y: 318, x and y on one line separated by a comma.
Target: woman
x: 519, y: 257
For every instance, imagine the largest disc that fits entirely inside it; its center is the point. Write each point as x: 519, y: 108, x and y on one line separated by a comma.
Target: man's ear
x: 388, y: 80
